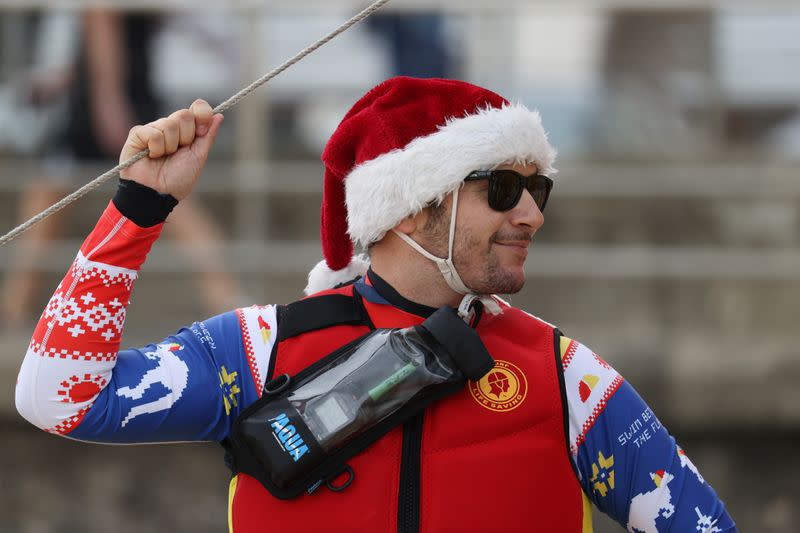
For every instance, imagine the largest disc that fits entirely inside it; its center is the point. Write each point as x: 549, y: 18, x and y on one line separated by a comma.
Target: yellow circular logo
x: 504, y: 388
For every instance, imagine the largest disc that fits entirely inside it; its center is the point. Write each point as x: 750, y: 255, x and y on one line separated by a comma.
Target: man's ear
x: 410, y: 224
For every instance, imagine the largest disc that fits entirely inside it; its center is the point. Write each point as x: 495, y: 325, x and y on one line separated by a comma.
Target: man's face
x: 490, y: 247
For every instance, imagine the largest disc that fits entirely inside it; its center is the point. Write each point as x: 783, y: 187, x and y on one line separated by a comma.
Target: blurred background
x: 670, y: 248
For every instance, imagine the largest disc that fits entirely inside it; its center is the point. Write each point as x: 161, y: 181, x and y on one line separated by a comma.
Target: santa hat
x: 406, y: 143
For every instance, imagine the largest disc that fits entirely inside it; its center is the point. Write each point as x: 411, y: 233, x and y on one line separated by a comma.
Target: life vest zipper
x: 408, y: 493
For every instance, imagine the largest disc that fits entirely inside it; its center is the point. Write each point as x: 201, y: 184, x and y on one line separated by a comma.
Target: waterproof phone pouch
x: 305, y: 427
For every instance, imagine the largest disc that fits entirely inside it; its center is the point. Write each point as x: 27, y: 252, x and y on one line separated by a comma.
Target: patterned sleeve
x: 629, y: 465
x: 75, y: 381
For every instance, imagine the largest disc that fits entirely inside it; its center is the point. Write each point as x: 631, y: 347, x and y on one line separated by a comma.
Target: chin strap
x: 446, y: 266
x: 448, y: 269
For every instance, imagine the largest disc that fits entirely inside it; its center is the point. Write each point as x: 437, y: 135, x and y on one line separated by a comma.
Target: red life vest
x: 492, y: 457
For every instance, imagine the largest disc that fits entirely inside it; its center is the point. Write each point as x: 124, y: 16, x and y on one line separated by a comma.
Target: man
x: 444, y: 184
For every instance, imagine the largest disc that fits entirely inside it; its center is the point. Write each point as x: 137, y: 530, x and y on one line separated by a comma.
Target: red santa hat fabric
x: 406, y: 143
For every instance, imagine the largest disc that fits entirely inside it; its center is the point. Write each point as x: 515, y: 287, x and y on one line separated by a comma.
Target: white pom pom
x: 321, y: 277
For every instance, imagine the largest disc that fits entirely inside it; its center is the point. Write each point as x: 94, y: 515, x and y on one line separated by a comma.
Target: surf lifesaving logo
x: 504, y: 388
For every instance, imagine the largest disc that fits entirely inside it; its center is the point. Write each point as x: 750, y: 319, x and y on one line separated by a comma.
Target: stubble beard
x: 487, y: 276
x: 501, y: 281
x: 484, y: 276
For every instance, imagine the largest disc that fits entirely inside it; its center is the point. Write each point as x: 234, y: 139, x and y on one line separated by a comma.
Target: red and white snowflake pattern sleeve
x: 74, y: 347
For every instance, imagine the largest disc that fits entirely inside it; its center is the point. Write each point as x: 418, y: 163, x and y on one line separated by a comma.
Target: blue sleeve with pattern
x: 633, y: 470
x: 188, y: 387
x: 629, y: 465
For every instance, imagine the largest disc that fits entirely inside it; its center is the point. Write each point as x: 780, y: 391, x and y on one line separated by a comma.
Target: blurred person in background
x: 417, y: 43
x: 444, y: 184
x: 37, y: 101
x: 108, y: 90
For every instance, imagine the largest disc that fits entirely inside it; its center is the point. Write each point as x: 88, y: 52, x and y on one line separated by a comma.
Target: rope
x: 221, y: 108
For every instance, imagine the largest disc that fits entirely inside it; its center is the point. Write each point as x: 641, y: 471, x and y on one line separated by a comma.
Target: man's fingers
x: 185, y: 120
x: 202, y: 116
x: 137, y: 140
x: 155, y: 141
x: 170, y: 128
x: 202, y: 145
x: 165, y: 136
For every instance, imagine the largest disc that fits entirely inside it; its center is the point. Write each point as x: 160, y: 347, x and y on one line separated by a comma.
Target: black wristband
x: 146, y: 207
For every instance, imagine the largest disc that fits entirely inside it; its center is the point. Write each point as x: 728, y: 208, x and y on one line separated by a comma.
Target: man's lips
x: 515, y: 244
x: 517, y: 247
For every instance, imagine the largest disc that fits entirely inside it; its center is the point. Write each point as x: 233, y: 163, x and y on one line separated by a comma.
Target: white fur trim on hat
x: 322, y: 277
x: 383, y: 191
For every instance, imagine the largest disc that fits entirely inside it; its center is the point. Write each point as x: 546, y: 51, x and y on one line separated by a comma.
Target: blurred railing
x: 676, y: 261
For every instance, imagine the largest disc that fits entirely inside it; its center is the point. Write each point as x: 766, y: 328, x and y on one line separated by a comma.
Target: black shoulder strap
x: 557, y: 334
x: 320, y: 312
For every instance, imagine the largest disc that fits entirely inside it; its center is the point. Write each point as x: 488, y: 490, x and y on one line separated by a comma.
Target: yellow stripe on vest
x: 587, y: 514
x: 231, y: 494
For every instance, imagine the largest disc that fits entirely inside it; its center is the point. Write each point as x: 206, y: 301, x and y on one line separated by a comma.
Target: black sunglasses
x: 506, y: 186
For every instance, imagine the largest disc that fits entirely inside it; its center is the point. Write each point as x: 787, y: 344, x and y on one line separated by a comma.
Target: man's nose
x: 527, y: 213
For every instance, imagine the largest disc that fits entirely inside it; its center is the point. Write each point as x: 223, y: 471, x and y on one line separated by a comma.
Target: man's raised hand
x: 179, y: 145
